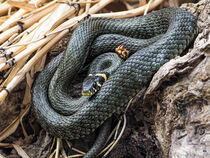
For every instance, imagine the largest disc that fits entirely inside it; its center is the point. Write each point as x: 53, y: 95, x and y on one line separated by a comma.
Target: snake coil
x: 152, y: 40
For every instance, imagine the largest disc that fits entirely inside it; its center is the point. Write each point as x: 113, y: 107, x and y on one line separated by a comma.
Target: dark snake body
x: 165, y: 34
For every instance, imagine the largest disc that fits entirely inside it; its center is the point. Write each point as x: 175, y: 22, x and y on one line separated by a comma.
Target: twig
x: 129, y: 13
x: 52, y: 154
x: 147, y: 7
x: 118, y: 138
x: 58, y: 143
x: 74, y: 149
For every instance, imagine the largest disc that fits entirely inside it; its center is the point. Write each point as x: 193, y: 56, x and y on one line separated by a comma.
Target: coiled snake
x: 152, y: 40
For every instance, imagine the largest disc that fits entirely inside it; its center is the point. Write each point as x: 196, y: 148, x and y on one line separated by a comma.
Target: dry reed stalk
x: 128, y: 6
x: 13, y: 72
x: 15, y: 50
x: 10, y: 39
x: 87, y: 7
x: 54, y: 19
x: 20, y: 14
x: 2, y: 60
x: 94, y: 9
x: 16, y: 38
x: 37, y: 3
x: 26, y: 23
x: 27, y: 67
x: 31, y: 48
x: 4, y: 7
x: 142, y: 2
x: 82, y: 2
x: 173, y: 3
x: 81, y: 11
x: 46, y: 26
x: 22, y: 35
x: 23, y: 5
x: 12, y: 20
x: 8, y: 33
x: 3, y: 19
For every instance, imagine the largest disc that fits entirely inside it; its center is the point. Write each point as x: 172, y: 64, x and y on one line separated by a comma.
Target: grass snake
x: 152, y: 39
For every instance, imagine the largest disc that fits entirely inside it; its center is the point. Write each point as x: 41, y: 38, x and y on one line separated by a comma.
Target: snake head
x: 93, y: 83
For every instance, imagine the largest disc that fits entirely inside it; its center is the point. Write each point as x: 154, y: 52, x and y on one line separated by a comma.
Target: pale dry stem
x: 4, y: 8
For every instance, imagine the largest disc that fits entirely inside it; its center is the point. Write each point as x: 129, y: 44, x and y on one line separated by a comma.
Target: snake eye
x: 101, y: 80
x: 94, y: 84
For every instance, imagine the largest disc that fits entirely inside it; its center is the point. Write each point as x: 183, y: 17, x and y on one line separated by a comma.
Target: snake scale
x: 162, y: 35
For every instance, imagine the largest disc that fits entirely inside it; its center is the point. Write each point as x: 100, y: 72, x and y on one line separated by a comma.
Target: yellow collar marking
x: 102, y: 75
